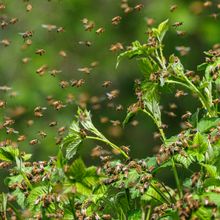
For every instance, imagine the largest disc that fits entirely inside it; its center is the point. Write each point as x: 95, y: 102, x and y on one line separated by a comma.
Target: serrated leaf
x: 8, y: 153
x: 162, y: 29
x: 211, y: 170
x: 211, y: 182
x: 186, y: 161
x: 205, y: 124
x: 199, y: 144
x: 203, y: 213
x: 72, y: 147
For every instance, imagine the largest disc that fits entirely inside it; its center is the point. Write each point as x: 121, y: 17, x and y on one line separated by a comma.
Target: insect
x: 183, y: 50
x: 25, y: 60
x: 41, y: 70
x: 77, y: 83
x: 11, y: 131
x: 60, y: 29
x: 181, y: 33
x: 29, y: 7
x: 113, y: 94
x: 62, y: 53
x: 26, y: 34
x: 180, y: 93
x: 177, y: 24
x: 42, y: 134
x: 150, y: 21
x: 100, y: 30
x: 138, y: 7
x: 186, y: 115
x: 106, y: 83
x: 53, y: 123
x: 5, y: 42
x: 2, y: 104
x: 119, y: 108
x: 21, y: 138
x: 88, y: 25
x: 13, y: 20
x: 85, y: 70
x: 49, y: 27
x: 207, y: 4
x: 3, y: 24
x: 2, y: 6
x: 87, y: 43
x: 116, y: 20
x: 115, y: 47
x: 115, y: 122
x: 33, y: 142
x: 173, y: 8
x: 40, y: 52
x: 64, y: 84
x: 54, y: 72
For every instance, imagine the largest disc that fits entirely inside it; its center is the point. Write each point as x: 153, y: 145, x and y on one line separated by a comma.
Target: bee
x: 183, y: 50
x: 60, y: 29
x: 106, y: 83
x: 218, y: 6
x: 5, y: 88
x: 150, y: 21
x: 30, y: 123
x: 180, y: 93
x: 181, y: 33
x: 53, y: 123
x: 172, y: 106
x: 116, y: 20
x: 41, y: 70
x: 2, y: 6
x: 189, y: 73
x: 94, y: 64
x: 42, y: 134
x: 3, y: 24
x: 54, y: 72
x: 116, y: 47
x: 8, y: 122
x: 21, y: 138
x: 119, y: 108
x: 5, y: 42
x: 26, y: 34
x: 2, y: 104
x: 186, y: 115
x: 58, y: 105
x: 115, y: 122
x: 28, y: 42
x: 214, y: 15
x: 77, y: 83
x: 58, y: 140
x: 113, y: 94
x: 173, y: 8
x: 49, y: 27
x: 100, y: 30
x: 87, y: 43
x: 88, y: 25
x: 40, y: 52
x: 216, y: 101
x: 25, y: 60
x: 104, y: 120
x: 62, y: 53
x: 61, y: 130
x: 33, y: 142
x: 207, y: 4
x: 171, y: 114
x: 177, y: 24
x: 126, y: 149
x: 138, y: 7
x: 11, y: 131
x: 13, y: 20
x: 85, y: 70
x: 64, y: 84
x: 29, y: 7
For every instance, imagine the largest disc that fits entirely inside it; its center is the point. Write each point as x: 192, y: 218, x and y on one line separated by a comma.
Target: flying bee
x: 104, y: 120
x: 77, y: 83
x: 41, y: 70
x: 113, y: 94
x: 64, y: 84
x: 29, y: 7
x: 181, y: 33
x: 119, y: 108
x: 88, y: 25
x: 2, y: 104
x: 100, y: 30
x: 30, y: 122
x: 183, y: 50
x: 49, y: 27
x: 60, y: 30
x: 58, y: 140
x: 21, y: 138
x: 207, y: 4
x: 42, y: 134
x: 5, y: 42
x: 177, y: 24
x: 28, y: 42
x: 116, y: 47
x: 94, y: 64
x: 173, y: 8
x: 33, y: 142
x: 40, y: 52
x: 186, y: 115
x: 86, y: 43
x: 115, y: 122
x: 134, y: 123
x: 106, y: 83
x: 62, y: 53
x: 13, y: 20
x: 84, y: 70
x: 26, y: 34
x: 214, y: 15
x: 11, y: 131
x: 2, y: 6
x: 61, y: 130
x: 180, y: 93
x: 8, y: 122
x: 150, y: 21
x: 116, y: 20
x: 216, y: 101
x: 171, y: 114
x: 53, y: 123
x: 138, y: 7
x: 25, y: 60
x: 54, y: 72
x: 126, y: 149
x: 3, y: 24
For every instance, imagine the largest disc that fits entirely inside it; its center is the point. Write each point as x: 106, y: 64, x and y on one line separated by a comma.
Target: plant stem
x: 148, y: 213
x: 105, y: 140
x: 177, y: 178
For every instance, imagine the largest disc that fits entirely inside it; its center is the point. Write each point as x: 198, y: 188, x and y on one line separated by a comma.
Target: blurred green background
x: 30, y: 90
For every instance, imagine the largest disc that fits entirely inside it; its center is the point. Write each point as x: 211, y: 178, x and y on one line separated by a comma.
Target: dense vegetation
x: 118, y: 186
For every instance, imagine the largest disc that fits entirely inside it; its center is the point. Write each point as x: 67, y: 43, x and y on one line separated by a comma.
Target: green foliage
x: 125, y: 188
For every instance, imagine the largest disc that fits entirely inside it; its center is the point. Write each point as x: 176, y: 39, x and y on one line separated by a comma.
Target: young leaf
x: 8, y: 153
x: 205, y: 124
x: 162, y: 29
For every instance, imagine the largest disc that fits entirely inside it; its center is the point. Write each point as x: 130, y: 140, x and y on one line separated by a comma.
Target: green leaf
x: 134, y: 215
x: 200, y: 143
x: 211, y: 170
x: 77, y: 170
x: 128, y: 118
x: 162, y: 29
x: 203, y: 213
x: 71, y: 144
x: 211, y: 182
x: 205, y: 124
x: 186, y: 161
x: 8, y: 153
x: 202, y: 66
